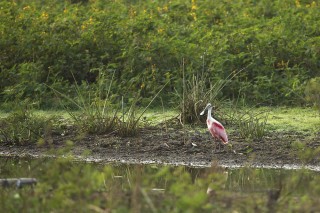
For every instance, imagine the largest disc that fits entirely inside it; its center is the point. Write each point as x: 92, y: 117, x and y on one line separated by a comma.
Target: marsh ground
x: 293, y: 137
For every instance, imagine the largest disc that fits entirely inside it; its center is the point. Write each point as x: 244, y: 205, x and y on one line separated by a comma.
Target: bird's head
x: 207, y: 107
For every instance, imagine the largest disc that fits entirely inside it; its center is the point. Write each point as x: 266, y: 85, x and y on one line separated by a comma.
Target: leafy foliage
x: 312, y: 92
x: 144, y: 43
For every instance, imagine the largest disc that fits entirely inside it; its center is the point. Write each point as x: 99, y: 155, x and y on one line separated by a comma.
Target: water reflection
x: 69, y: 185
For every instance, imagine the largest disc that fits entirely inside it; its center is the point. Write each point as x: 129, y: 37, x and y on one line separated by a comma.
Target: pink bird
x: 215, y: 127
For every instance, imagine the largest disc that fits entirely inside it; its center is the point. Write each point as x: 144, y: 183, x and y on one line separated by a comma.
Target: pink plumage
x: 215, y: 127
x: 217, y: 130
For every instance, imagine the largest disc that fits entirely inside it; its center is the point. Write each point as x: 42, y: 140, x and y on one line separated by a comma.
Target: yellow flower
x: 44, y: 15
x: 20, y: 16
x: 26, y: 7
x: 160, y: 30
x: 83, y: 27
x: 193, y: 5
x: 132, y: 12
x: 298, y: 3
x: 193, y: 9
x: 282, y: 64
x: 194, y: 16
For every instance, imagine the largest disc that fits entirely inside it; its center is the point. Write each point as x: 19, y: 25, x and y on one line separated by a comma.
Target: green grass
x: 46, y: 113
x: 156, y: 116
x: 282, y: 119
x: 293, y: 119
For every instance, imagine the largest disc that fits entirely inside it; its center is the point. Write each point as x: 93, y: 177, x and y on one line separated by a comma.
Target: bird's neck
x: 209, y: 114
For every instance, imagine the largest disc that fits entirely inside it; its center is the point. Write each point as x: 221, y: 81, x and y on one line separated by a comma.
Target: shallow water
x: 64, y: 183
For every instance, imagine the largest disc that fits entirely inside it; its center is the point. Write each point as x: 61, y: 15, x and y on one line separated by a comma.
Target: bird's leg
x: 217, y: 146
x: 224, y: 147
x: 221, y: 145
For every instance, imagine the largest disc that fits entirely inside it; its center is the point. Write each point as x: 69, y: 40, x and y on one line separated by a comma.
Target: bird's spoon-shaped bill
x: 208, y: 105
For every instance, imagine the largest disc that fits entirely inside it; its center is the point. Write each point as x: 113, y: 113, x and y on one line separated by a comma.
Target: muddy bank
x: 178, y: 147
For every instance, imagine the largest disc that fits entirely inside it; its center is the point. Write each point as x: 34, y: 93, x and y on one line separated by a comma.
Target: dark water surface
x: 70, y: 186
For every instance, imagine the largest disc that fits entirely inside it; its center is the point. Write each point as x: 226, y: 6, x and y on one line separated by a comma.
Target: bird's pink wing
x: 220, y: 132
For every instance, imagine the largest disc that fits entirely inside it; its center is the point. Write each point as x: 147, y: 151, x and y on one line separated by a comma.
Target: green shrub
x: 312, y: 92
x: 145, y: 42
x: 23, y: 127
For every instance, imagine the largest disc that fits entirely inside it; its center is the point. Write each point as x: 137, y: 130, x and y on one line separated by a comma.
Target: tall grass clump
x: 93, y: 108
x: 96, y: 112
x: 195, y: 97
x: 129, y: 122
x: 253, y: 127
x: 23, y: 127
x: 199, y: 91
x: 250, y: 124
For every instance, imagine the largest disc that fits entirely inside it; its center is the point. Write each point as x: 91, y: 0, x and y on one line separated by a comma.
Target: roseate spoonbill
x: 215, y: 127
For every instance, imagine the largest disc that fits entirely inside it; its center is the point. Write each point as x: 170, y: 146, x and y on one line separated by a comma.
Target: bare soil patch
x: 176, y: 146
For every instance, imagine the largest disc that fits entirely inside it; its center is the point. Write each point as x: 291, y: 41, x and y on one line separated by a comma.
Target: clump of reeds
x: 97, y: 115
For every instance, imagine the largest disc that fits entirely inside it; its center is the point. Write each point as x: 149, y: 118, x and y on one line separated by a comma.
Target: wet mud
x: 177, y: 146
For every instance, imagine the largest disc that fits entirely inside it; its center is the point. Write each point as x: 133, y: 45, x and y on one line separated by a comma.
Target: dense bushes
x: 144, y: 44
x: 312, y: 92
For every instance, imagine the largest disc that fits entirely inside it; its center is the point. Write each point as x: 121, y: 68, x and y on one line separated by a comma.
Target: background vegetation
x: 144, y: 44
